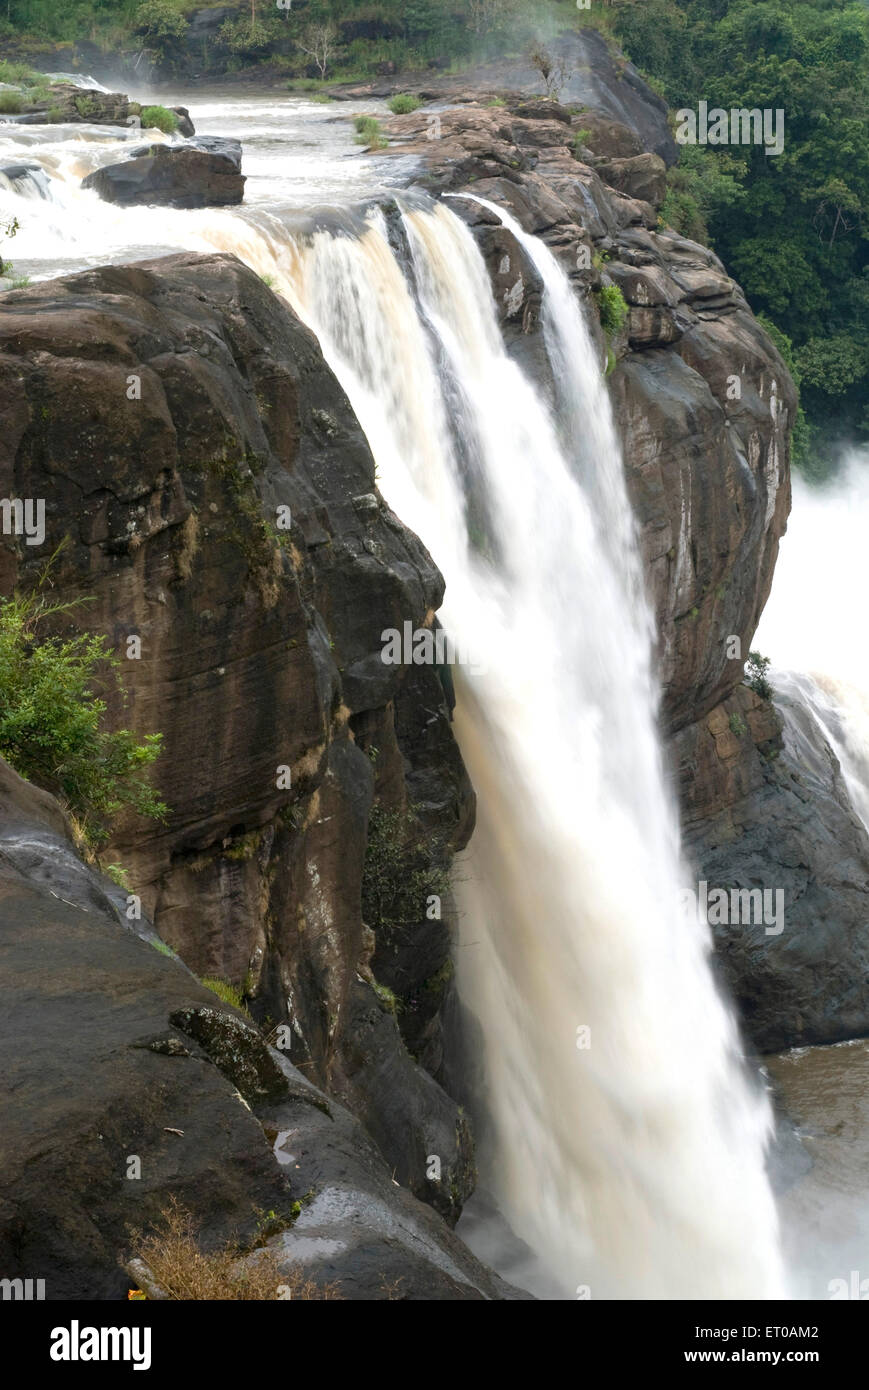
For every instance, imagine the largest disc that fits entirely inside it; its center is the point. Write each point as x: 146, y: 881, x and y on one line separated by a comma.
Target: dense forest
x: 791, y: 228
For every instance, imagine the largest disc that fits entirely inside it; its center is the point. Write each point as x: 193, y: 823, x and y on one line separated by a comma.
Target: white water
x: 633, y: 1166
x: 819, y: 656
x: 820, y: 676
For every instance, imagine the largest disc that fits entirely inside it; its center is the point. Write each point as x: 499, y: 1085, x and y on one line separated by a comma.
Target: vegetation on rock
x: 177, y: 1269
x: 52, y: 721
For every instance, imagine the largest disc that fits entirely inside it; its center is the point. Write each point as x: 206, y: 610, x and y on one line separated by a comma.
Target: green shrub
x: 737, y: 724
x: 612, y: 308
x: 401, y: 870
x: 11, y: 103
x: 51, y: 720
x: 756, y: 668
x: 18, y: 73
x: 87, y: 106
x: 403, y: 103
x: 368, y: 133
x: 159, y: 118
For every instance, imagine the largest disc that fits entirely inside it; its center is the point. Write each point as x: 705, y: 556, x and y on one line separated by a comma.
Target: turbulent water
x: 820, y: 676
x: 625, y: 1145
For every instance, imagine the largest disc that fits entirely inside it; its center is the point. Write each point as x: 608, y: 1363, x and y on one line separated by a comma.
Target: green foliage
x: 401, y: 871
x: 737, y: 724
x: 368, y: 132
x: 86, y: 106
x: 160, y: 25
x: 796, y: 237
x: 228, y: 993
x: 11, y: 103
x: 119, y: 875
x: 699, y: 187
x: 52, y: 721
x: 756, y: 668
x: 16, y: 73
x: 159, y: 118
x: 403, y: 103
x: 611, y: 307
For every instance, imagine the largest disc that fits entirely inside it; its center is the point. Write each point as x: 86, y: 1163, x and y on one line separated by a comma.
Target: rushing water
x: 626, y: 1145
x: 820, y: 674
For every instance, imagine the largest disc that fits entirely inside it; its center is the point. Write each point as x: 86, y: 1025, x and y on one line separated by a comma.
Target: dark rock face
x: 260, y: 647
x: 120, y: 1054
x: 205, y: 172
x: 766, y: 807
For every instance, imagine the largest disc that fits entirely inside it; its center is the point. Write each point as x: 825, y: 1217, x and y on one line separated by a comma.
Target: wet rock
x: 236, y: 1048
x: 98, y: 1080
x: 766, y: 807
x: 205, y: 172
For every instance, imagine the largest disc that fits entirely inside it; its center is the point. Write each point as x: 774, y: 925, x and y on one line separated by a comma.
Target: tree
x: 318, y: 43
x: 554, y: 70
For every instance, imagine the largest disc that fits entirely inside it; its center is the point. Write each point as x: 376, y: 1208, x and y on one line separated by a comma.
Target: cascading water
x: 807, y: 627
x: 633, y: 1166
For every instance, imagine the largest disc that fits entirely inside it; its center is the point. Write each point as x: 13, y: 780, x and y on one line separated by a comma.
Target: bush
x: 10, y: 103
x: 401, y: 871
x: 756, y: 668
x: 368, y: 133
x: 18, y: 73
x: 611, y: 307
x: 403, y: 103
x: 51, y: 722
x: 159, y: 118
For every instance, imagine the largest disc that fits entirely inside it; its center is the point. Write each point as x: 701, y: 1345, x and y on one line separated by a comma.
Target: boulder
x: 204, y: 172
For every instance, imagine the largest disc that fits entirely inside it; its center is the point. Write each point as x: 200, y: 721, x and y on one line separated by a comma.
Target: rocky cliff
x: 219, y: 505
x: 176, y: 417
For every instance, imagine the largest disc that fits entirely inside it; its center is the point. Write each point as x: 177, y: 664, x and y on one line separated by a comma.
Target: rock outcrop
x: 126, y: 1084
x: 65, y: 103
x: 765, y: 807
x: 203, y: 172
x: 219, y: 501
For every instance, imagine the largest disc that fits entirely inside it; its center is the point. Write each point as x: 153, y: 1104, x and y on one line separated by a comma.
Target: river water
x: 633, y: 1167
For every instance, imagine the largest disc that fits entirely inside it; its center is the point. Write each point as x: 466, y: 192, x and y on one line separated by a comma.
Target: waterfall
x: 820, y: 668
x: 633, y: 1166
x: 624, y: 1142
